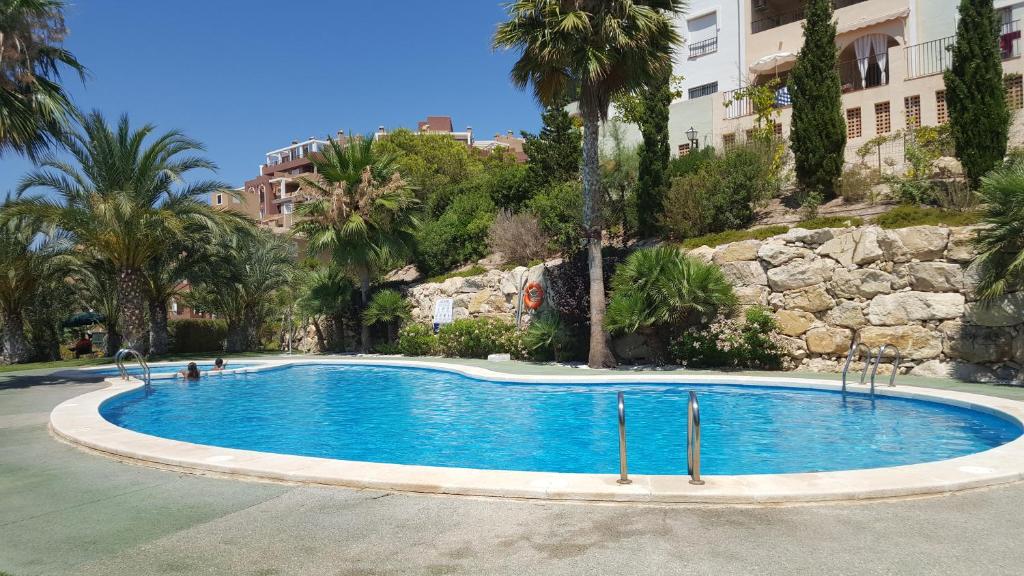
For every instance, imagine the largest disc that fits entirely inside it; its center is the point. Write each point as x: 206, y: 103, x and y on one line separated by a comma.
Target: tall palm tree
x: 238, y: 283
x: 359, y: 210
x: 34, y: 108
x: 599, y: 48
x: 1001, y: 243
x: 124, y: 198
x: 30, y: 258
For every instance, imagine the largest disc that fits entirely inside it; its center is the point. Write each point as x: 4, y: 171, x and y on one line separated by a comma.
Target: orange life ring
x: 533, y: 296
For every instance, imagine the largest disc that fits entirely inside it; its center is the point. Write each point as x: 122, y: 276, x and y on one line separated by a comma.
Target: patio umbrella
x: 84, y: 319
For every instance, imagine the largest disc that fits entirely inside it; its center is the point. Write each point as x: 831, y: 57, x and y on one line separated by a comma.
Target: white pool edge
x: 78, y: 421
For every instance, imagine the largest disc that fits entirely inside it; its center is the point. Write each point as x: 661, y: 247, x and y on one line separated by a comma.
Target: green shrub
x: 906, y: 216
x: 474, y: 270
x: 559, y: 208
x: 196, y: 335
x: 729, y: 343
x: 856, y: 183
x: 458, y: 235
x: 730, y: 236
x: 416, y: 340
x: 479, y: 337
x: 690, y: 163
x: 548, y: 338
x: 830, y: 222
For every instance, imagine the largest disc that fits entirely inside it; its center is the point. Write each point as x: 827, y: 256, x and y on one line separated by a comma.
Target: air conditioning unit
x: 760, y: 5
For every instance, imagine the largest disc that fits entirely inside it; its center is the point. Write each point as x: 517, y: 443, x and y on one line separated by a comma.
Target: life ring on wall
x: 533, y: 295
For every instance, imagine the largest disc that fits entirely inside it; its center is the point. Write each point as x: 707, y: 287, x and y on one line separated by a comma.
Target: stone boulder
x: 810, y: 237
x: 744, y: 273
x: 861, y: 282
x: 809, y: 299
x: 914, y: 243
x: 1018, y: 348
x: 794, y: 322
x: 854, y: 248
x: 933, y: 369
x: 907, y: 307
x: 798, y: 274
x: 936, y: 276
x: 961, y: 244
x: 737, y: 252
x: 828, y: 340
x: 795, y: 348
x: 778, y: 253
x: 1006, y: 310
x: 979, y: 344
x: 752, y: 295
x: 846, y: 314
x: 914, y: 342
x: 703, y: 254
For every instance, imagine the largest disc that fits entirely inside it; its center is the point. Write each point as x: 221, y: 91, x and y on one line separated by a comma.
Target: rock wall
x: 913, y: 287
x: 492, y: 294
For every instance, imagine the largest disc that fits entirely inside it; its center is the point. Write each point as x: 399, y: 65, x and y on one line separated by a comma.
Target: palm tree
x: 95, y: 286
x: 388, y: 307
x: 30, y: 258
x: 359, y: 210
x: 660, y: 288
x: 123, y: 197
x: 34, y: 109
x: 1000, y: 244
x: 327, y: 300
x: 600, y: 48
x: 238, y: 283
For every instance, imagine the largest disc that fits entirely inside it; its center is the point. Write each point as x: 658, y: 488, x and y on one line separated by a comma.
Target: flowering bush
x: 478, y: 337
x: 416, y: 340
x: 729, y: 343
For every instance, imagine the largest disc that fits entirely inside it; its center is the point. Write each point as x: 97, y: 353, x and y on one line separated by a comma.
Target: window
x: 883, y: 118
x: 854, y: 129
x: 777, y: 128
x: 174, y: 306
x: 684, y: 149
x: 703, y: 90
x: 702, y: 35
x: 729, y: 140
x: 262, y: 194
x: 1015, y: 91
x: 912, y: 107
x: 941, y: 112
x: 220, y: 199
x: 749, y: 134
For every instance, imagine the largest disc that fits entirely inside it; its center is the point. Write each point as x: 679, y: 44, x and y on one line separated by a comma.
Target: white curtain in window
x: 880, y: 42
x: 862, y: 50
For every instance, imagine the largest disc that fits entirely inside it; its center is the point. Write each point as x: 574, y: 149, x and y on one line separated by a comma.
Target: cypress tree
x: 818, y: 134
x: 654, y: 153
x: 979, y: 117
x: 556, y: 153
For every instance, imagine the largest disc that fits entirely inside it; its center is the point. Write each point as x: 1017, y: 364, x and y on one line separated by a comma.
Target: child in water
x: 191, y: 372
x: 218, y: 364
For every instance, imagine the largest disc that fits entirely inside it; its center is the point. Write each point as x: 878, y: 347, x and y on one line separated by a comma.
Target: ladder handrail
x: 854, y: 349
x: 623, y: 468
x: 878, y: 360
x: 119, y: 359
x: 693, y: 439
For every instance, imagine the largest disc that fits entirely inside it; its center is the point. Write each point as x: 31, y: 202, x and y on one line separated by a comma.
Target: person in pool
x: 191, y: 372
x: 218, y: 364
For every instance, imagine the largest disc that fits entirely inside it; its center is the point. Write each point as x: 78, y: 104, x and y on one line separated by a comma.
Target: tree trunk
x: 112, y: 342
x: 132, y: 319
x: 364, y: 292
x: 252, y: 324
x: 321, y: 340
x: 16, y: 348
x: 338, y: 335
x: 600, y: 356
x: 237, y: 336
x: 158, y: 334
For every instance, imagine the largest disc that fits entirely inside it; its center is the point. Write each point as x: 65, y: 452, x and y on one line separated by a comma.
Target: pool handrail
x: 693, y: 439
x: 878, y: 360
x: 119, y: 360
x: 855, y: 347
x: 623, y: 467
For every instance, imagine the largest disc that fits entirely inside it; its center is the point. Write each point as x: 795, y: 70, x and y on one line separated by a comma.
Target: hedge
x: 197, y: 335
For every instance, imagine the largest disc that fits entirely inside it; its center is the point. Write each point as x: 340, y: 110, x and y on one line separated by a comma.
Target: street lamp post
x: 691, y: 134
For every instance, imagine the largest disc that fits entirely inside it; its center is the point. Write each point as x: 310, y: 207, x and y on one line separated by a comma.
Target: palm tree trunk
x: 132, y: 317
x: 237, y: 336
x: 112, y: 341
x: 158, y: 334
x: 364, y: 292
x: 251, y: 325
x: 16, y: 348
x: 600, y: 355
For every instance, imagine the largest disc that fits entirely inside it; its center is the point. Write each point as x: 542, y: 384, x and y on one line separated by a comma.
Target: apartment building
x: 891, y: 57
x: 444, y: 125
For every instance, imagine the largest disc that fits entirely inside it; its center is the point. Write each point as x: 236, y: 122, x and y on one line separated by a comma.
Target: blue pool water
x: 438, y: 418
x: 135, y: 370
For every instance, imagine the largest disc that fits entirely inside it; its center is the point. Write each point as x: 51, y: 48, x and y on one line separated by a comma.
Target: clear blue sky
x: 245, y: 77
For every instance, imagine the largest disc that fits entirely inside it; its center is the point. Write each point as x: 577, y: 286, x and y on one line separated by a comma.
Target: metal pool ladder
x: 623, y: 468
x: 854, y: 349
x: 878, y: 360
x: 693, y: 439
x: 119, y: 360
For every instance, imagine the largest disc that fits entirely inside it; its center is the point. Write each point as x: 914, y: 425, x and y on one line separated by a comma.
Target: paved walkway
x: 64, y: 511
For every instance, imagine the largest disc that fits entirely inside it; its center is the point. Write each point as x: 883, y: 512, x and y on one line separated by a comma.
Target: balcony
x: 936, y: 56
x: 704, y: 47
x: 772, y: 14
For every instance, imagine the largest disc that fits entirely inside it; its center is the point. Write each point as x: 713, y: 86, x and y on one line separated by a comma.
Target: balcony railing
x: 863, y: 73
x: 936, y: 56
x: 790, y: 16
x: 745, y: 107
x: 704, y: 47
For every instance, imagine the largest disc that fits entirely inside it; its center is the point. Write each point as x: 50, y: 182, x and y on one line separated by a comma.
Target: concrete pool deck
x: 78, y: 421
x: 64, y: 511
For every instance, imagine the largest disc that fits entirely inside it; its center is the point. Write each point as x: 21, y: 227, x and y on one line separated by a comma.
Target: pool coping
x: 78, y: 421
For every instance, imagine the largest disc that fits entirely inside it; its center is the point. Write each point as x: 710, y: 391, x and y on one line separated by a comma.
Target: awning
x: 872, y: 20
x: 772, y: 61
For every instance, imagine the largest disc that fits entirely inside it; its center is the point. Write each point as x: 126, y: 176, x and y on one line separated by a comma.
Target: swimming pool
x: 135, y: 370
x: 405, y: 415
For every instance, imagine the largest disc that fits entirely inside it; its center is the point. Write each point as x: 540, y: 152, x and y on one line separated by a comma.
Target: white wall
x: 726, y: 65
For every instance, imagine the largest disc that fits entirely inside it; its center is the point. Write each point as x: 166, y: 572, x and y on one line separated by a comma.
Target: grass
x: 730, y: 236
x: 830, y: 222
x: 475, y: 270
x: 512, y: 266
x: 906, y: 216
